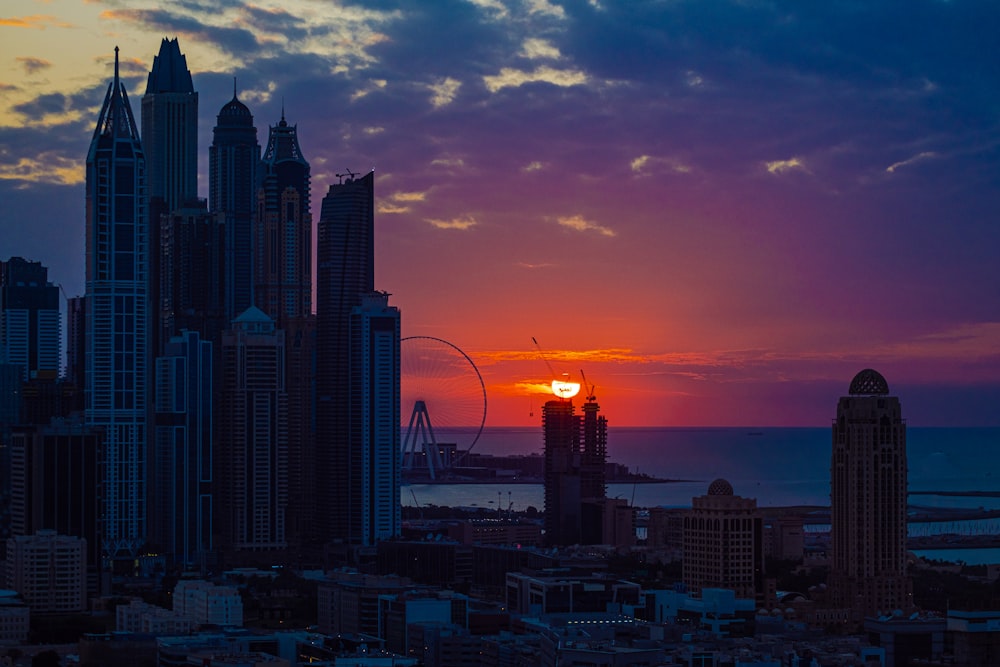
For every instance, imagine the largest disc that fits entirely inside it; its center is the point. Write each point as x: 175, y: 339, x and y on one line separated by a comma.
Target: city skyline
x: 737, y: 206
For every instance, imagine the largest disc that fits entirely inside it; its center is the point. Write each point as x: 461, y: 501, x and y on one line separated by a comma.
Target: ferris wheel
x: 442, y: 404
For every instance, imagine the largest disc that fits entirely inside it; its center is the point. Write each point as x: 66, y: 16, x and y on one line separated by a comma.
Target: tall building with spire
x: 232, y: 177
x: 170, y: 142
x: 345, y: 277
x: 170, y: 129
x: 117, y: 242
x: 868, y: 497
x: 283, y: 238
x: 283, y: 289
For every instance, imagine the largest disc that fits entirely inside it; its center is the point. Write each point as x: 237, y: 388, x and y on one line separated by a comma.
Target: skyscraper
x: 116, y: 326
x: 170, y: 130
x: 723, y: 543
x: 30, y: 335
x: 283, y: 243
x: 575, y: 456
x: 181, y: 505
x: 252, y: 462
x: 232, y: 181
x: 345, y: 276
x: 283, y: 289
x: 562, y: 473
x: 868, y: 497
x: 373, y: 502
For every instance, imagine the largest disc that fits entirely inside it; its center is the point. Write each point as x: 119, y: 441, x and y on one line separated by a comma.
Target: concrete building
x: 55, y: 484
x: 208, y: 604
x: 49, y: 571
x: 30, y: 331
x: 868, y: 497
x: 575, y: 457
x: 15, y: 618
x: 138, y: 617
x: 723, y: 543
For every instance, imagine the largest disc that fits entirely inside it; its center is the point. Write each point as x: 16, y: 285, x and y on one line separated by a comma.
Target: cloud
x: 920, y: 157
x: 35, y: 21
x: 644, y: 164
x: 46, y: 167
x: 408, y: 196
x: 532, y: 166
x: 781, y: 166
x: 372, y: 86
x: 545, y: 7
x: 537, y: 49
x: 580, y: 224
x: 33, y: 65
x: 398, y: 202
x: 467, y: 222
x: 513, y: 78
x: 444, y: 91
x: 448, y: 162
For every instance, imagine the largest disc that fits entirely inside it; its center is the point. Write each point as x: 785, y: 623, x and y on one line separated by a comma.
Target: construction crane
x: 563, y: 388
x: 591, y: 396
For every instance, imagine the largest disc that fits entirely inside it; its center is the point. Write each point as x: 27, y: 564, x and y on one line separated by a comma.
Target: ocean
x: 777, y: 466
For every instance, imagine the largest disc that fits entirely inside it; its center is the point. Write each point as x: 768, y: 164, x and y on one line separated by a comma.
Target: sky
x: 718, y: 211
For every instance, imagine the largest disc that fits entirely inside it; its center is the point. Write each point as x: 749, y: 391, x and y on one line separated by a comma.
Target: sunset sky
x: 719, y: 211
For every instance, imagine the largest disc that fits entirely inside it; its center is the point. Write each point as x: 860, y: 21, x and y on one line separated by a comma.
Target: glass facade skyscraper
x: 117, y: 242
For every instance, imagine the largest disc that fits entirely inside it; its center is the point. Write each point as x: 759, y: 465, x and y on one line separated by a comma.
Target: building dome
x: 720, y: 487
x: 235, y: 111
x: 868, y: 383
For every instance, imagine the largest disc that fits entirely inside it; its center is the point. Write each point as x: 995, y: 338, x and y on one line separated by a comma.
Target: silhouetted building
x: 170, y: 130
x: 724, y: 543
x: 56, y: 483
x: 232, y: 181
x: 251, y: 466
x: 116, y: 330
x: 76, y: 344
x: 30, y: 332
x: 373, y: 501
x: 282, y: 266
x: 283, y: 238
x: 345, y: 275
x: 49, y: 571
x: 868, y: 497
x: 575, y: 457
x: 170, y: 143
x: 192, y: 273
x: 181, y: 498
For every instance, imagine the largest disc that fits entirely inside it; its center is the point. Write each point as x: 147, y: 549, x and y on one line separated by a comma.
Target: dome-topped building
x: 720, y: 487
x: 723, y: 543
x: 868, y: 501
x: 869, y: 383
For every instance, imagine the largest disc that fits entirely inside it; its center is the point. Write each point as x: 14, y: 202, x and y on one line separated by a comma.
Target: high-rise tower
x: 373, y: 501
x: 252, y: 463
x: 345, y: 276
x: 29, y: 319
x: 575, y: 456
x: 283, y: 243
x: 170, y: 129
x: 282, y: 266
x: 232, y: 178
x: 868, y: 496
x: 116, y: 318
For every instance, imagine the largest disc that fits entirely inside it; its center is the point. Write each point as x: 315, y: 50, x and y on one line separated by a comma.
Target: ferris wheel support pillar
x: 420, y: 433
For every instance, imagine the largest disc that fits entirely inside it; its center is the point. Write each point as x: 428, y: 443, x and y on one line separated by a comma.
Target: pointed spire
x: 234, y: 87
x: 116, y: 66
